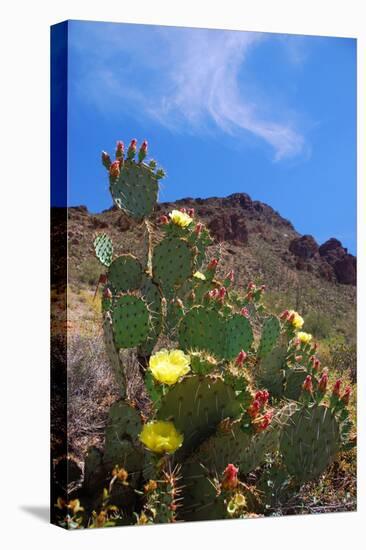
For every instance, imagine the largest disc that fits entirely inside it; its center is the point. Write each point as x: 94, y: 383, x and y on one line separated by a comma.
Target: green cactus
x: 103, y: 247
x: 270, y: 334
x: 196, y: 405
x: 161, y: 302
x: 294, y: 379
x: 131, y: 321
x: 172, y: 263
x: 309, y: 442
x: 135, y: 190
x: 270, y: 373
x: 125, y: 274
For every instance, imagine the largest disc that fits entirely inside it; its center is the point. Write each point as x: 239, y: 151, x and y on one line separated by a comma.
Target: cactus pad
x: 103, y: 247
x: 309, y: 442
x: 131, y: 321
x: 172, y: 262
x: 135, y: 191
x: 121, y: 436
x: 271, y: 371
x: 201, y: 500
x: 238, y: 335
x: 125, y: 273
x: 270, y: 334
x: 151, y: 293
x: 196, y: 405
x: 203, y: 329
x: 294, y: 379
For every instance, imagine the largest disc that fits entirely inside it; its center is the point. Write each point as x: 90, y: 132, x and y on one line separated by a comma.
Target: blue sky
x: 270, y: 115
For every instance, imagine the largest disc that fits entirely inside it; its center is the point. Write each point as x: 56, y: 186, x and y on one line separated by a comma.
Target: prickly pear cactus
x: 242, y: 397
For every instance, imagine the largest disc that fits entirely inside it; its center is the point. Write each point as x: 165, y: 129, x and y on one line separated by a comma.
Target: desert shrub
x: 318, y: 324
x: 90, y: 270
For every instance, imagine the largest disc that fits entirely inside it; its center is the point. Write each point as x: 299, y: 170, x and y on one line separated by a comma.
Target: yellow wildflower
x: 199, y: 275
x: 304, y: 337
x: 160, y: 436
x: 296, y: 320
x: 168, y: 366
x: 180, y: 218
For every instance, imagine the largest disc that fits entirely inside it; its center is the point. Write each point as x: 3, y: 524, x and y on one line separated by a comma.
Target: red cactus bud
x: 262, y: 396
x: 222, y: 293
x: 132, y: 149
x: 267, y: 419
x: 346, y: 395
x: 102, y: 279
x: 192, y: 296
x: 254, y: 408
x: 114, y: 169
x: 249, y: 295
x: 230, y: 478
x: 244, y: 311
x: 179, y: 303
x: 284, y: 315
x: 308, y: 384
x: 213, y: 294
x: 262, y: 288
x: 213, y: 264
x: 316, y: 363
x: 106, y: 160
x: 164, y: 220
x: 298, y: 358
x: 240, y: 358
x: 143, y: 151
x: 120, y: 149
x: 323, y: 382
x: 198, y: 228
x: 291, y: 317
x: 337, y: 388
x: 251, y: 285
x: 190, y: 212
x: 107, y: 294
x: 184, y: 210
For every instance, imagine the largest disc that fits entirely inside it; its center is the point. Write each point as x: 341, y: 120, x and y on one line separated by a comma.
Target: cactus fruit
x: 103, y: 247
x: 131, y: 321
x: 124, y: 274
x: 309, y: 442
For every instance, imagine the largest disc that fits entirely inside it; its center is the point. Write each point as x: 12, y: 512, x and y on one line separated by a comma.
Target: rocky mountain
x: 250, y: 237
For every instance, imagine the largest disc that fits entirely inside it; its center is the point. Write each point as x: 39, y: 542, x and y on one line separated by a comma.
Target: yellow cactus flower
x: 160, y: 437
x: 199, y: 275
x: 296, y: 320
x: 304, y: 337
x: 240, y: 500
x: 168, y: 366
x: 180, y: 218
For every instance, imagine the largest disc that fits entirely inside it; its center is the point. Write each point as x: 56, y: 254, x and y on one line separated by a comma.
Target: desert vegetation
x: 197, y: 396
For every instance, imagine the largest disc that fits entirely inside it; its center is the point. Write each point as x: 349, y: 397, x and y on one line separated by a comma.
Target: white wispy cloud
x: 186, y: 79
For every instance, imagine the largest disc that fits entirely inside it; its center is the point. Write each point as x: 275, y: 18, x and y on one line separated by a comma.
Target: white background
x: 24, y: 253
